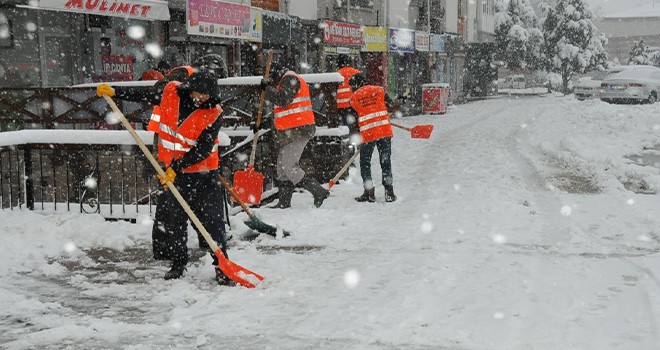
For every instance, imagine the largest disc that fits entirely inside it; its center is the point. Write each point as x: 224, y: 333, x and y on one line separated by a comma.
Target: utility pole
x: 428, y: 15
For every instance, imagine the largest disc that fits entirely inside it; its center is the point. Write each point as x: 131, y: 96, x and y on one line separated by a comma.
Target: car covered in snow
x: 589, y: 87
x: 636, y: 84
x: 517, y: 81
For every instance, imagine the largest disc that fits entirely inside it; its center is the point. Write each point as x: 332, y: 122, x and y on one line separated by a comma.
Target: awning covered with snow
x: 148, y: 10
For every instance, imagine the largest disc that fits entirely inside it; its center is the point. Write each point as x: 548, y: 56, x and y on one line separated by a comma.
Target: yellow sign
x: 375, y: 39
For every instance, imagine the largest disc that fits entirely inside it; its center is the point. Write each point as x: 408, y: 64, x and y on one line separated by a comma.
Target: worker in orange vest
x: 344, y: 93
x: 188, y: 146
x: 371, y: 104
x: 294, y: 126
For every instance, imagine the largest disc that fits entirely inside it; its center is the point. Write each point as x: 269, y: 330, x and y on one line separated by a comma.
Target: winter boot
x: 176, y: 271
x: 320, y: 194
x: 285, y: 191
x: 389, y: 193
x: 222, y: 279
x: 367, y: 196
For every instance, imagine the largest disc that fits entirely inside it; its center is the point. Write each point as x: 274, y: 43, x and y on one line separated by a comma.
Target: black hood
x: 203, y: 81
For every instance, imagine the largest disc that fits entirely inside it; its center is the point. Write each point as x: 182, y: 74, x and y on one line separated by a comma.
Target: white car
x: 513, y: 82
x: 634, y: 84
x: 589, y: 87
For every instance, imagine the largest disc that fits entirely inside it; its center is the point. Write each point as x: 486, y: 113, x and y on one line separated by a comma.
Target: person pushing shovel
x: 190, y: 121
x: 371, y: 104
x: 295, y: 126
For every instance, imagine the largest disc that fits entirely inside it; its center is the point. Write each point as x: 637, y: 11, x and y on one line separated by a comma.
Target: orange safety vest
x: 344, y: 91
x: 299, y: 112
x: 175, y: 140
x: 373, y: 117
x: 154, y: 121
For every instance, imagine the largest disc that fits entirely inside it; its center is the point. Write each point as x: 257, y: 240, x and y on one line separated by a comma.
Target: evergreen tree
x: 570, y: 41
x: 640, y: 53
x: 517, y: 35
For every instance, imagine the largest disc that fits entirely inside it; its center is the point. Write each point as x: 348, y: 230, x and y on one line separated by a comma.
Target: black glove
x: 254, y: 128
x: 264, y: 84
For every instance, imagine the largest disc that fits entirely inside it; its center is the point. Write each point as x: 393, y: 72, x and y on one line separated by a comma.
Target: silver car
x: 589, y: 87
x: 636, y: 84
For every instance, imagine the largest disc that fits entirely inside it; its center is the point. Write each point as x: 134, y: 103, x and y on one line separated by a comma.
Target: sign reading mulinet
x: 137, y: 9
x: 219, y: 19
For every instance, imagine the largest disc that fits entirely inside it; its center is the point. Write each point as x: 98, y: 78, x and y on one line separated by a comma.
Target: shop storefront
x: 221, y: 27
x: 66, y: 42
x: 281, y: 34
x: 374, y: 55
x: 339, y: 38
x: 401, y: 48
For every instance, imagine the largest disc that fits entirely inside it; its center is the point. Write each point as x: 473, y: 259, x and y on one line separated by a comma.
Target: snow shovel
x: 235, y: 272
x: 249, y: 183
x: 343, y: 170
x: 254, y: 222
x: 417, y: 132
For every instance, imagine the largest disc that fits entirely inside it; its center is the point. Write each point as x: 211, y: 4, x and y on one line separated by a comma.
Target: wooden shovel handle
x: 235, y: 196
x: 401, y: 126
x: 343, y: 169
x: 260, y: 112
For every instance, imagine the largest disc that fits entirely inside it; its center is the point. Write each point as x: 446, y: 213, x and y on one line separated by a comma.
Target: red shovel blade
x: 421, y: 131
x: 237, y: 273
x: 249, y: 185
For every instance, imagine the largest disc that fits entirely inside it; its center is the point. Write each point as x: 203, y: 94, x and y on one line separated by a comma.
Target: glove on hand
x: 254, y: 128
x: 264, y: 84
x: 170, y: 175
x: 105, y: 89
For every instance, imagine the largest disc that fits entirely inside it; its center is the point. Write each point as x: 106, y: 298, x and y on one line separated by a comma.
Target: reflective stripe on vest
x: 373, y: 117
x: 154, y: 121
x: 175, y: 140
x: 299, y: 112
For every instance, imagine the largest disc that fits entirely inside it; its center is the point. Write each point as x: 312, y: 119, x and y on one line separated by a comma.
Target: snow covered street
x: 522, y: 223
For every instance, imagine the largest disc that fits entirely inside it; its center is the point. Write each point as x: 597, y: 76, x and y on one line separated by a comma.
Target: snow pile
x: 485, y: 248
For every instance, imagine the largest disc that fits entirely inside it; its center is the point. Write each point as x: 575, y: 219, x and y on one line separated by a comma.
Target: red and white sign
x: 149, y: 10
x: 344, y: 34
x: 117, y: 68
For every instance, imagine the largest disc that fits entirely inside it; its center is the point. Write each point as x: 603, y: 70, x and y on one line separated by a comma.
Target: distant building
x: 625, y: 27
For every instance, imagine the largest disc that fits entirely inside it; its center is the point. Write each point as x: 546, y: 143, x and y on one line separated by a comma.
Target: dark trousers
x: 384, y: 146
x: 204, y: 195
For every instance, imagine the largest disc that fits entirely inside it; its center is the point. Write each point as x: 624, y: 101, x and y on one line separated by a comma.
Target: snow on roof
x: 252, y: 80
x: 309, y: 78
x: 631, y: 9
x: 59, y: 136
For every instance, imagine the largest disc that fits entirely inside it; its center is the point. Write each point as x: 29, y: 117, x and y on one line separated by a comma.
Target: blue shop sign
x: 402, y: 40
x: 437, y: 43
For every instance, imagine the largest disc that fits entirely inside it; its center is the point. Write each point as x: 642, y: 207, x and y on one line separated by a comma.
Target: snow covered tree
x: 517, y: 34
x: 570, y: 41
x: 640, y: 53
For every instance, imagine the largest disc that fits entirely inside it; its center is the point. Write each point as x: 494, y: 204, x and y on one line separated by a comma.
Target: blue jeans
x: 384, y: 146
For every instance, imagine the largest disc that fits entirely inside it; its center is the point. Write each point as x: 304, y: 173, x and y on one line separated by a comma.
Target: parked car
x: 517, y: 81
x: 638, y: 84
x: 589, y: 87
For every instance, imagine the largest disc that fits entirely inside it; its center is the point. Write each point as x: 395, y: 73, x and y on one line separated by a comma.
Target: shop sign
x: 218, y: 19
x: 375, y: 39
x: 341, y: 50
x: 256, y: 24
x: 401, y: 40
x: 117, y: 68
x: 342, y: 34
x: 272, y: 5
x: 135, y: 9
x: 422, y: 41
x: 437, y: 43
